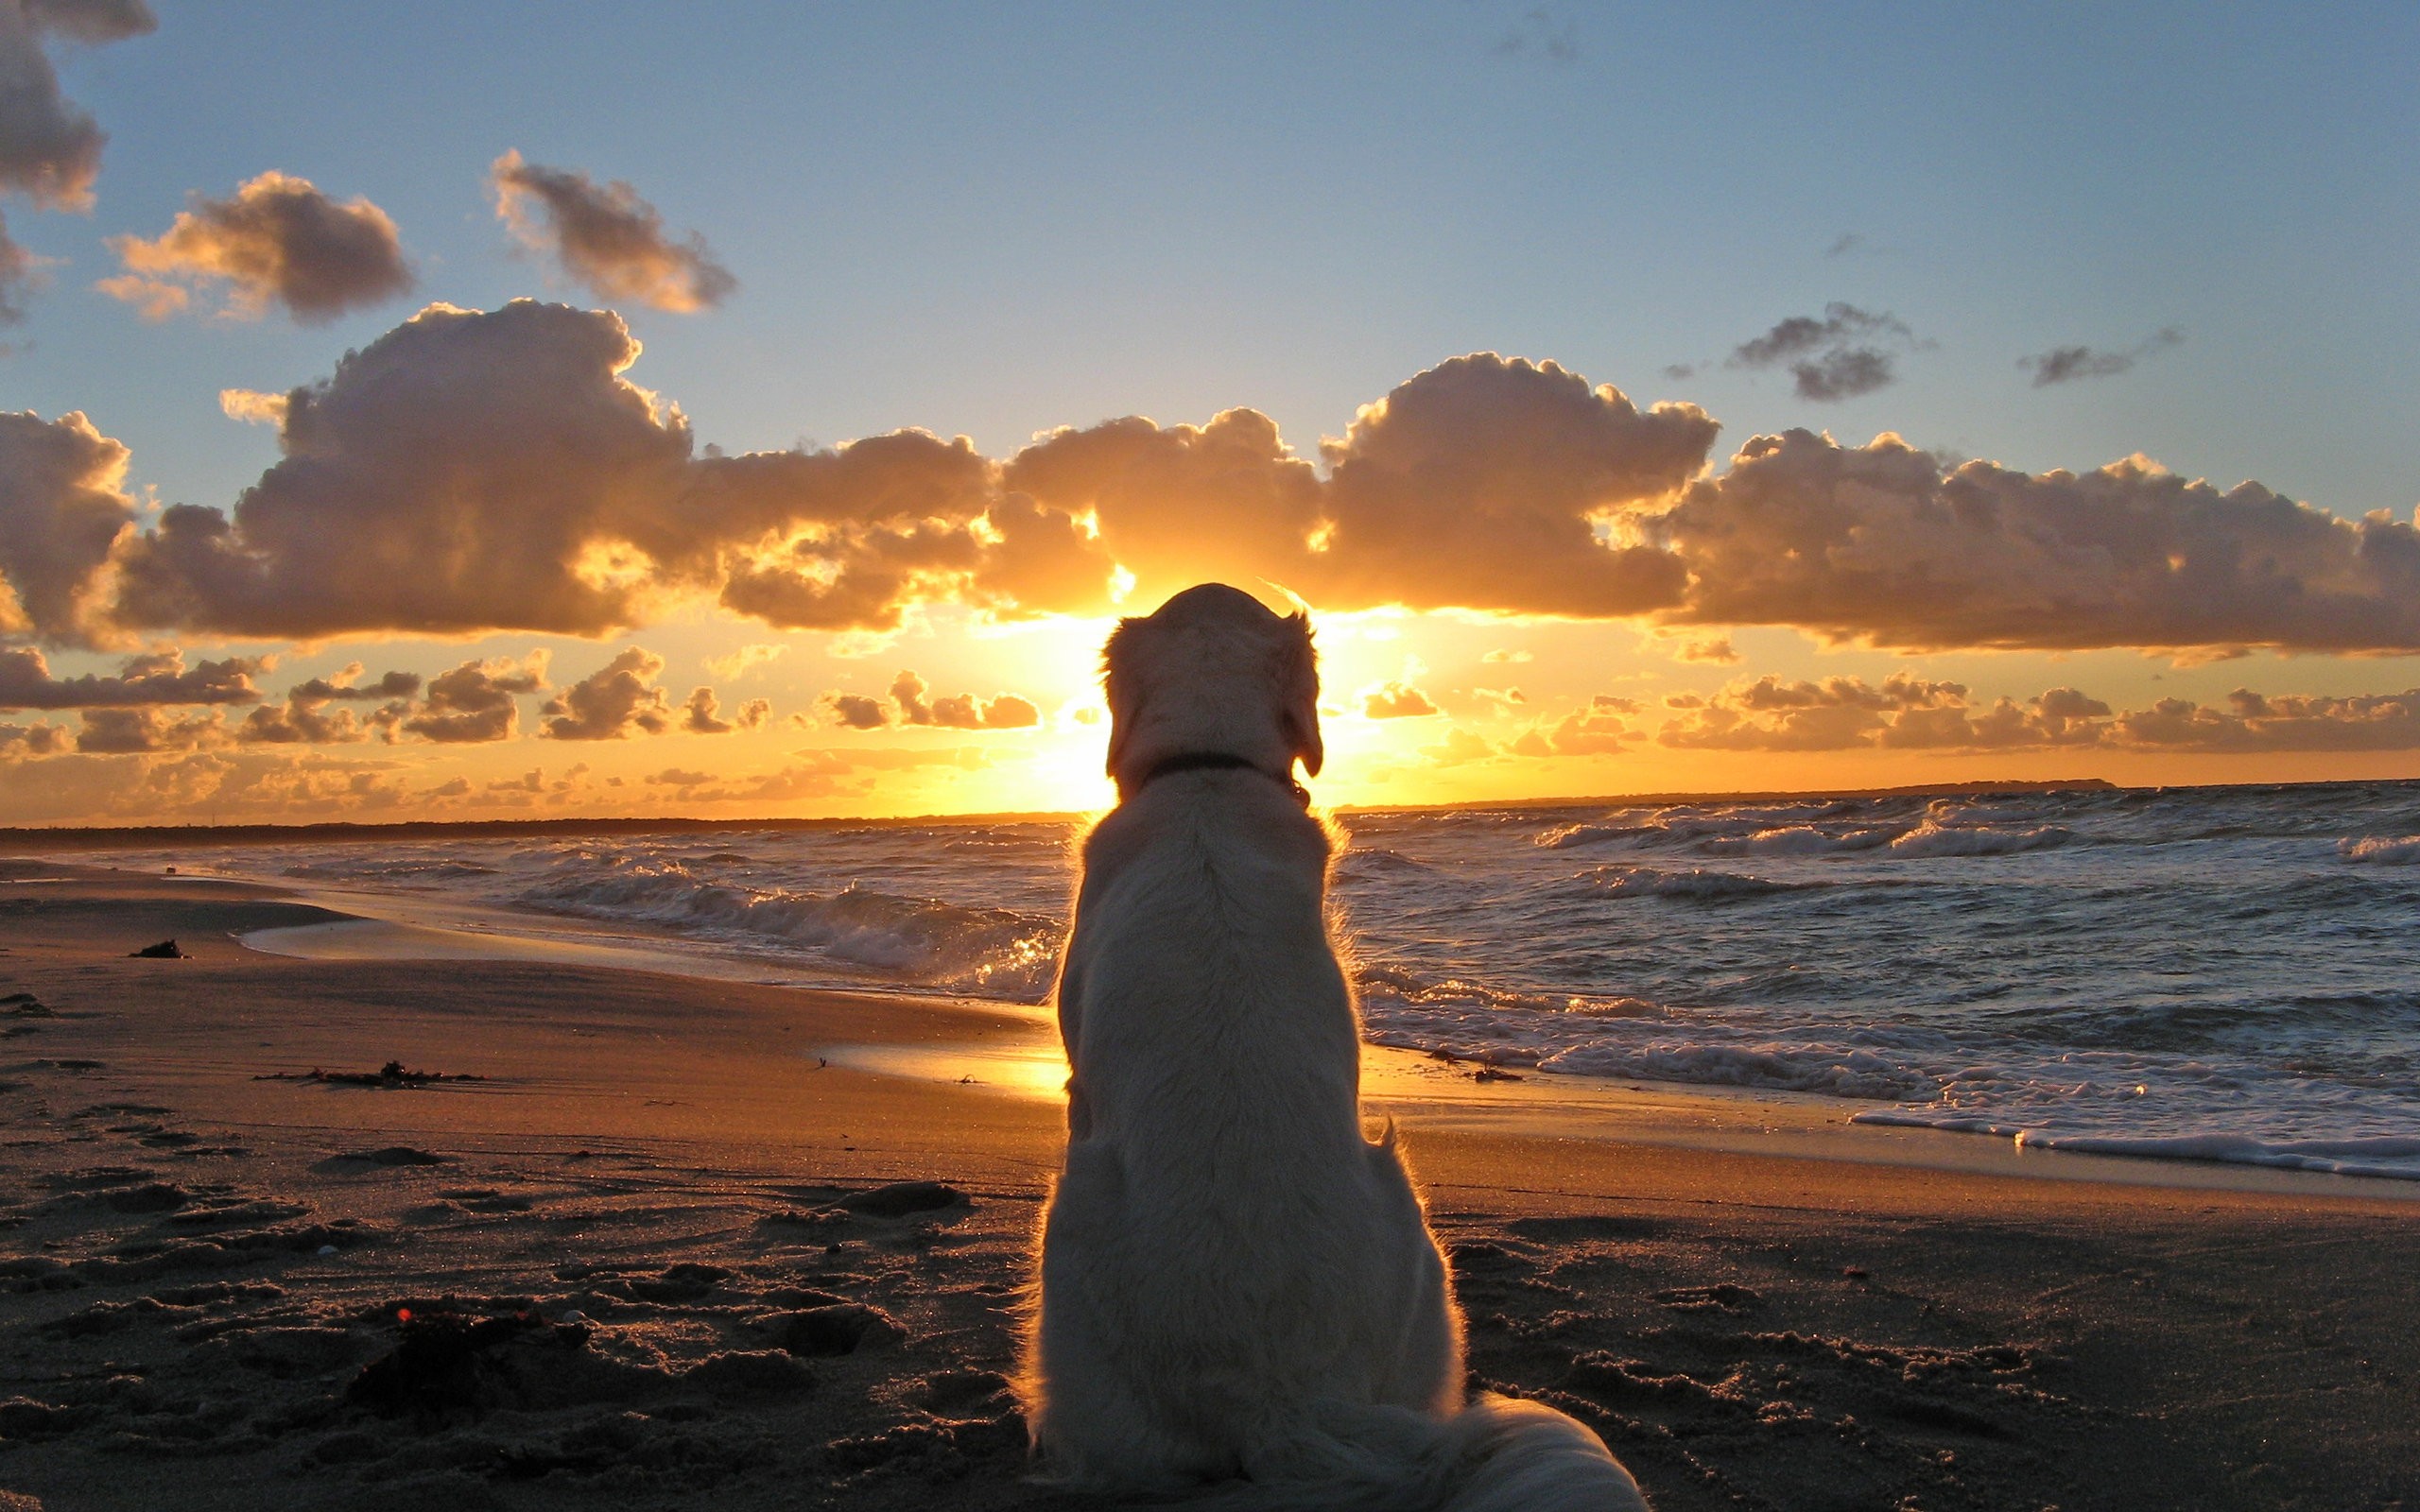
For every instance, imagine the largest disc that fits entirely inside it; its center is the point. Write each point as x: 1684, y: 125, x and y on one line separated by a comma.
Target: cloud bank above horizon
x: 470, y: 473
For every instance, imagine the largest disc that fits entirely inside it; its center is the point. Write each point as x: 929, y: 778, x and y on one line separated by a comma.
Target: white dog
x: 1236, y: 1285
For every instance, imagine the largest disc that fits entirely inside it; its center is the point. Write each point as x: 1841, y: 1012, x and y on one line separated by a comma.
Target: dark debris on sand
x: 388, y: 1076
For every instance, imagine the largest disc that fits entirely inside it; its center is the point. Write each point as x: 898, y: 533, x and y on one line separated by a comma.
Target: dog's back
x: 1224, y: 1246
x: 1236, y: 1282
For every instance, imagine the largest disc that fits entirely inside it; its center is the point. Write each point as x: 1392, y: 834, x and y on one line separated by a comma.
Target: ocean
x: 2228, y: 973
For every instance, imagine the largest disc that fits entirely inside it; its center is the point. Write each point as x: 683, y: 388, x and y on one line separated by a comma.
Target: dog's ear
x: 1118, y: 684
x: 1297, y: 711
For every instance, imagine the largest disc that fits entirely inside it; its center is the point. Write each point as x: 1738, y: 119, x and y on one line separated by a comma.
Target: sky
x: 406, y: 411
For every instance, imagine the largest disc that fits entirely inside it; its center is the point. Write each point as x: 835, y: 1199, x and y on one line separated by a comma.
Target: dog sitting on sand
x: 1240, y: 1299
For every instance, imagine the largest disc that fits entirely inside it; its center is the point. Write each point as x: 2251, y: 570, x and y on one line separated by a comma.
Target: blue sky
x: 997, y: 221
x: 994, y: 220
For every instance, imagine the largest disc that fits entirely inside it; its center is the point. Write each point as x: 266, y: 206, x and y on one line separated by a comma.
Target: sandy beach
x: 650, y: 1243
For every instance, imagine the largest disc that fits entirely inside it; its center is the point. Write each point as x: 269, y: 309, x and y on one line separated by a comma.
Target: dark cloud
x: 277, y: 240
x: 62, y: 506
x: 305, y: 718
x: 1910, y: 713
x: 961, y: 711
x: 855, y: 710
x: 1879, y: 543
x: 1833, y: 359
x: 20, y: 272
x: 606, y: 236
x: 1541, y: 33
x: 615, y: 702
x: 2285, y: 722
x: 347, y: 684
x: 33, y: 740
x: 702, y: 714
x: 92, y: 22
x: 50, y: 149
x: 474, y: 703
x: 1396, y: 700
x: 2062, y: 365
x: 909, y: 706
x: 157, y: 678
x: 126, y: 732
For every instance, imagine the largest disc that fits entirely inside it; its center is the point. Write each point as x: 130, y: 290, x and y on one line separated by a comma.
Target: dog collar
x: 1219, y: 760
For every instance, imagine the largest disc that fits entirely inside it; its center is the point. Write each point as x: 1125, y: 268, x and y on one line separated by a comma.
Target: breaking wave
x: 991, y: 951
x: 1619, y: 881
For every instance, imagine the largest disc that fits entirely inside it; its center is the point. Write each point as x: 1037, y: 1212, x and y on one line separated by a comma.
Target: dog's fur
x: 1239, y: 1295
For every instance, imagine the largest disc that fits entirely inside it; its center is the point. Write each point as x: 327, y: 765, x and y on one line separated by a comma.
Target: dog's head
x: 1212, y: 672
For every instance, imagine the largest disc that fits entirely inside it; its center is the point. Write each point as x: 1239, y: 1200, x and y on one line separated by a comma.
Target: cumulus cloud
x: 277, y: 240
x: 120, y: 732
x: 1839, y: 356
x: 2060, y: 365
x: 475, y: 701
x: 155, y: 678
x: 1910, y: 713
x: 305, y: 717
x: 615, y: 702
x: 472, y: 472
x: 962, y: 710
x: 908, y: 705
x: 347, y: 684
x: 33, y: 740
x: 2253, y: 722
x: 702, y: 714
x: 606, y: 236
x: 1481, y: 483
x: 464, y: 472
x: 1881, y: 543
x: 1396, y: 700
x: 469, y: 473
x: 1711, y: 649
x: 63, y: 507
x: 854, y: 711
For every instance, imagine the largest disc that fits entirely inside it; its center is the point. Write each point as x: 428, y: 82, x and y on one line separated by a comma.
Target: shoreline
x: 1018, y: 1055
x: 665, y: 1207
x: 97, y: 837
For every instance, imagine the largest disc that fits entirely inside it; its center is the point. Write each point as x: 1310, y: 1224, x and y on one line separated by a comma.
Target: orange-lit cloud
x: 471, y: 472
x: 606, y: 236
x: 1396, y: 700
x: 62, y: 506
x: 277, y: 240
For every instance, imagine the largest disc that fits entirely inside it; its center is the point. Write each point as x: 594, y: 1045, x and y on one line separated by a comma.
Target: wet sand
x: 644, y: 1268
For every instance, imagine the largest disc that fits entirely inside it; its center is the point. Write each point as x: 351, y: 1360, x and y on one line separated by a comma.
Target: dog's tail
x: 1498, y: 1454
